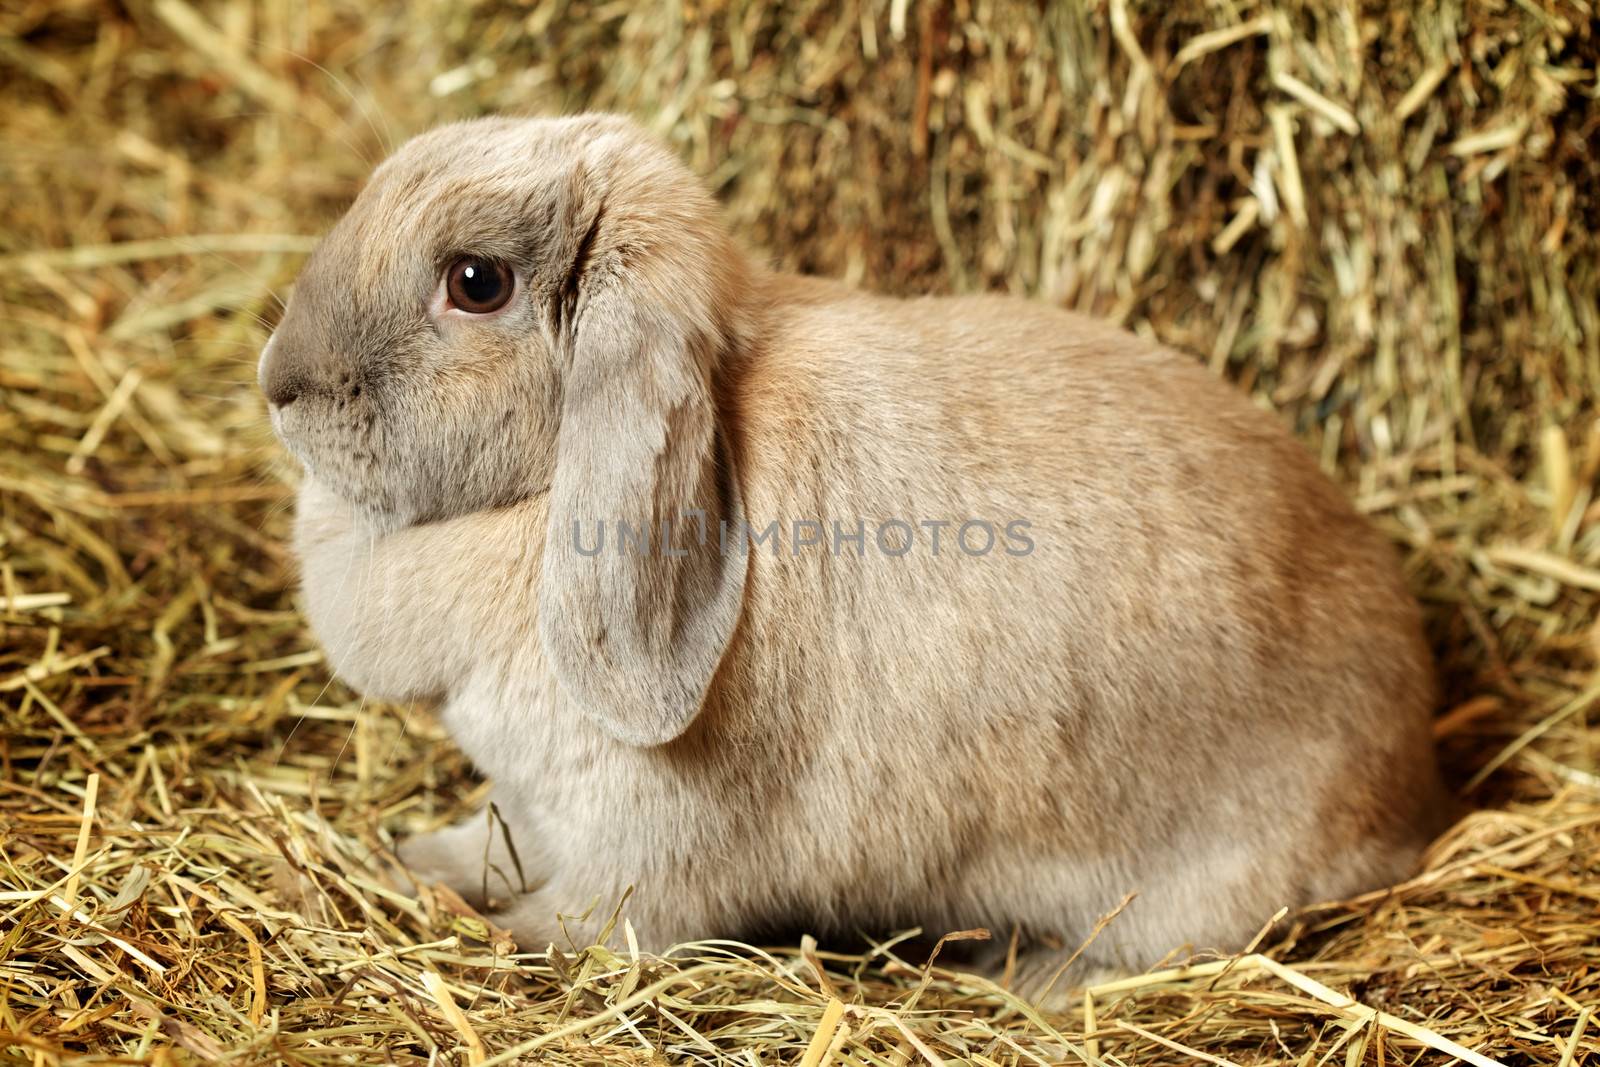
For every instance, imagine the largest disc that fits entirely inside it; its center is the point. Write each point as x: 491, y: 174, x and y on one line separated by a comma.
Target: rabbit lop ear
x: 638, y: 599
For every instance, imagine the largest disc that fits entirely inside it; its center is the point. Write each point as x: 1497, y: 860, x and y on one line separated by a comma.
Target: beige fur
x: 1205, y: 684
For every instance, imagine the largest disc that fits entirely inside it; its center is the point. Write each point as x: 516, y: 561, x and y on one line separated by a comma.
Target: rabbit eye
x: 478, y: 286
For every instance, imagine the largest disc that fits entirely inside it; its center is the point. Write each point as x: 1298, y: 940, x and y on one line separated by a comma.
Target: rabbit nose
x: 284, y: 375
x: 283, y: 395
x: 279, y: 390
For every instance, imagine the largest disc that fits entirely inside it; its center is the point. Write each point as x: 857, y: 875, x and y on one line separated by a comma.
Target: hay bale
x: 1382, y: 221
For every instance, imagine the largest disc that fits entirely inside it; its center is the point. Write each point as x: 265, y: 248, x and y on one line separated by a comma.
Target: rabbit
x: 789, y: 606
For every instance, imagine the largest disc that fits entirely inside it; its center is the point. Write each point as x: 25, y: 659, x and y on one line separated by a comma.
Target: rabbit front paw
x: 471, y: 857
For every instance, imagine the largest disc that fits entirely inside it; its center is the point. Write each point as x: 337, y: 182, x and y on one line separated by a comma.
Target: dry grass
x: 1381, y: 222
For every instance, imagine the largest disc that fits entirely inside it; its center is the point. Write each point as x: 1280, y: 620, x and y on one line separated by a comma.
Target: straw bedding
x: 1380, y: 221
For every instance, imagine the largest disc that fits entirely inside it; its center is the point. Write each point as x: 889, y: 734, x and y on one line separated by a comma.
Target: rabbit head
x: 522, y: 307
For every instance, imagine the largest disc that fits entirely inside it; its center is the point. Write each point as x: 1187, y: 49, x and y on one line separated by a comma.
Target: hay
x: 1380, y: 221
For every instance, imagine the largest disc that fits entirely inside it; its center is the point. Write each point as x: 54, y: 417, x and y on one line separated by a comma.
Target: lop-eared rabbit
x: 794, y: 606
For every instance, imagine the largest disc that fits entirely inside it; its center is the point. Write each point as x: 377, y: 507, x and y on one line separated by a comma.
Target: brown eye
x: 478, y: 285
